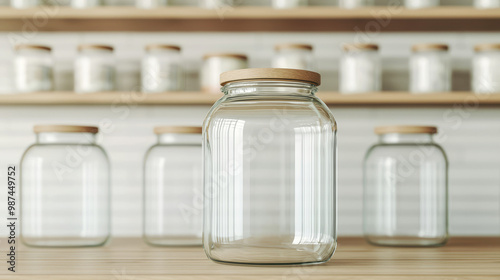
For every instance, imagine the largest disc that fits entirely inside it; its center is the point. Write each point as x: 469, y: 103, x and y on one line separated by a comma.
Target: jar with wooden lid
x: 65, y: 188
x: 288, y: 4
x: 487, y: 4
x: 486, y: 69
x: 294, y: 56
x: 24, y: 4
x: 406, y: 188
x: 430, y: 69
x: 216, y: 63
x: 33, y: 68
x: 84, y: 4
x: 360, y: 69
x: 354, y: 4
x: 270, y: 162
x: 150, y: 4
x: 421, y: 4
x: 173, y: 188
x: 94, y: 69
x: 216, y: 4
x: 162, y: 69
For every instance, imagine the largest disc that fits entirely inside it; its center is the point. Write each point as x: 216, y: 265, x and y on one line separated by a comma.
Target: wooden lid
x: 233, y: 55
x: 90, y: 46
x: 429, y: 47
x: 405, y: 129
x: 360, y: 47
x: 487, y: 47
x: 178, y: 129
x: 38, y: 47
x: 293, y: 46
x: 270, y: 74
x: 160, y: 46
x: 66, y: 128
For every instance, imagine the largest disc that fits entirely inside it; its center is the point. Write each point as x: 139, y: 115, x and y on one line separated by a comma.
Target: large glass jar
x: 65, y: 188
x: 486, y: 69
x: 360, y: 69
x: 430, y: 69
x: 217, y: 63
x: 24, y: 4
x: 150, y: 4
x: 215, y: 4
x: 421, y: 4
x: 270, y: 170
x: 83, y: 4
x: 162, y: 69
x: 294, y: 56
x: 406, y: 188
x: 94, y: 69
x: 173, y: 188
x: 288, y: 4
x: 353, y: 4
x: 487, y: 4
x: 33, y: 68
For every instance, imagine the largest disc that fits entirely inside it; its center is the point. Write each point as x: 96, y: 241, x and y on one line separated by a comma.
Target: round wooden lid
x: 270, y: 74
x: 233, y: 55
x: 487, y: 47
x: 178, y: 129
x: 66, y: 128
x: 429, y: 47
x: 293, y: 46
x: 360, y: 47
x: 99, y: 47
x: 406, y: 129
x: 160, y: 46
x: 38, y: 47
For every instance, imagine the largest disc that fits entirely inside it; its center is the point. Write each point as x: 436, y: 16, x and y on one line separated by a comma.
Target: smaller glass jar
x: 94, y: 69
x: 33, y: 68
x: 150, y: 4
x: 215, y: 4
x: 430, y: 69
x: 487, y: 4
x: 421, y: 4
x: 173, y: 188
x: 24, y: 4
x: 294, y: 56
x: 288, y: 4
x: 360, y: 69
x: 83, y: 4
x: 406, y: 188
x: 217, y: 63
x: 354, y: 4
x: 486, y: 69
x: 162, y: 69
x: 65, y: 188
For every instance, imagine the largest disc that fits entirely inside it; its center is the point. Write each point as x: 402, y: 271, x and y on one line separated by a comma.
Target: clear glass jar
x: 173, y: 188
x: 353, y: 4
x: 150, y: 4
x: 215, y: 4
x: 162, y: 69
x: 487, y: 4
x: 294, y: 56
x: 94, y: 69
x: 360, y: 69
x: 430, y: 69
x: 24, y: 4
x: 33, y: 68
x: 421, y: 4
x: 406, y: 188
x: 288, y: 4
x: 65, y: 188
x: 83, y: 4
x: 486, y: 69
x: 270, y: 170
x: 217, y: 63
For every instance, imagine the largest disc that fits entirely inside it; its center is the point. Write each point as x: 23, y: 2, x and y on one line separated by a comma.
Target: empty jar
x: 406, y: 188
x: 487, y: 4
x: 215, y: 4
x: 295, y: 56
x: 353, y: 4
x: 162, y: 69
x: 24, y: 4
x: 83, y: 4
x: 430, y: 69
x: 288, y: 4
x: 486, y: 69
x: 33, y: 68
x: 173, y: 188
x: 421, y: 4
x: 360, y: 69
x: 217, y: 63
x: 270, y: 170
x: 94, y: 69
x: 65, y: 188
x: 150, y: 4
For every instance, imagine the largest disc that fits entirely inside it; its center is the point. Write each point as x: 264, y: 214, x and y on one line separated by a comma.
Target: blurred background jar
x: 288, y: 4
x: 150, y: 4
x: 487, y: 4
x: 430, y: 69
x: 215, y: 4
x: 24, y: 4
x: 65, y: 188
x: 295, y: 56
x: 94, y: 69
x: 33, y: 68
x: 217, y: 63
x: 406, y: 188
x: 360, y: 69
x: 421, y: 4
x: 173, y: 188
x: 486, y: 69
x: 83, y: 4
x: 353, y: 4
x: 162, y: 69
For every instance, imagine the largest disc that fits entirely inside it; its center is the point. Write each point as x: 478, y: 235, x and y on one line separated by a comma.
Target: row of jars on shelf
x: 161, y: 71
x: 278, y: 4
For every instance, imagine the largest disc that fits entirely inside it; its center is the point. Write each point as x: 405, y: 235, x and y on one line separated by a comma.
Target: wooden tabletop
x: 131, y: 259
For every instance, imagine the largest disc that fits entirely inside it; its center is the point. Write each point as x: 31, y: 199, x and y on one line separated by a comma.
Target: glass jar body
x: 33, y: 70
x: 294, y: 58
x: 288, y: 4
x: 94, y: 71
x: 162, y: 71
x: 353, y: 4
x: 150, y: 4
x: 24, y: 4
x: 485, y: 72
x: 430, y: 71
x: 360, y: 71
x: 173, y: 191
x: 270, y: 176
x: 215, y: 65
x: 406, y: 192
x: 421, y: 4
x: 215, y: 4
x: 487, y: 4
x: 65, y: 191
x: 83, y: 4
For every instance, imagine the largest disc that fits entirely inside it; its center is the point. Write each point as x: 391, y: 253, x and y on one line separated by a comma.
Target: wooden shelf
x: 315, y: 18
x: 197, y: 98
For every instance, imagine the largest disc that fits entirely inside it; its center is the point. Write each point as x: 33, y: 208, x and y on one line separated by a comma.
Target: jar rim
x: 429, y: 47
x: 293, y: 46
x: 30, y: 46
x: 178, y: 129
x: 406, y: 129
x: 162, y: 47
x: 233, y: 55
x: 487, y: 47
x: 360, y: 47
x: 95, y: 46
x: 270, y: 74
x: 66, y: 129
